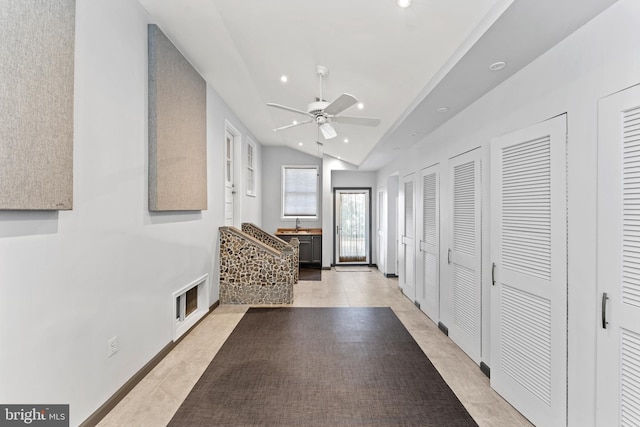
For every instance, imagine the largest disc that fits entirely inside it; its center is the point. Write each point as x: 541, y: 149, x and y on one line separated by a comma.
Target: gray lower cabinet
x: 310, y: 247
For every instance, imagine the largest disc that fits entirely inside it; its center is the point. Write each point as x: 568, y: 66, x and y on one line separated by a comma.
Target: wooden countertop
x: 299, y: 232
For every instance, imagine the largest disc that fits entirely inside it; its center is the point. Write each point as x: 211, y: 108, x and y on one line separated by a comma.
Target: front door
x: 529, y: 267
x: 618, y: 354
x: 352, y: 226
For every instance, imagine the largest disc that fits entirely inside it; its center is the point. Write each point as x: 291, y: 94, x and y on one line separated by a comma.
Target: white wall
x: 70, y: 280
x: 273, y: 158
x: 599, y: 59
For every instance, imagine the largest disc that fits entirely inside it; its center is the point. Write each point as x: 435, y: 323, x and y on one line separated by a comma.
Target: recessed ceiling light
x: 413, y: 134
x: 442, y: 109
x: 346, y: 140
x: 284, y: 78
x: 404, y: 3
x: 339, y: 158
x: 360, y: 105
x: 300, y: 143
x: 295, y: 122
x: 497, y: 66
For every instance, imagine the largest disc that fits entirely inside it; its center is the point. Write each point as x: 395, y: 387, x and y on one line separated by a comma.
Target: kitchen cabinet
x: 310, y: 243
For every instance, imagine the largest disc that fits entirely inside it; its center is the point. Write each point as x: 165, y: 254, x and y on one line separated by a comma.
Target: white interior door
x: 529, y: 255
x: 618, y: 362
x: 429, y: 246
x: 407, y: 239
x: 381, y: 234
x: 464, y: 253
x: 229, y: 187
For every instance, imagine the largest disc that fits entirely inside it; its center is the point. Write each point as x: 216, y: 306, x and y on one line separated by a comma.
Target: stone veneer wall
x: 252, y: 272
x: 276, y: 243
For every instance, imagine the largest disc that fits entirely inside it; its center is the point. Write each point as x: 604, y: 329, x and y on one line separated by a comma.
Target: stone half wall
x: 252, y: 272
x: 276, y: 243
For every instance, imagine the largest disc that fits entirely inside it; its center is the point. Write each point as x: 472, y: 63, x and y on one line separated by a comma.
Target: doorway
x: 353, y: 226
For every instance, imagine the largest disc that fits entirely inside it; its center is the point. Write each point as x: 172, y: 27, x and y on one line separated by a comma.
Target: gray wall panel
x: 36, y: 104
x: 177, y: 129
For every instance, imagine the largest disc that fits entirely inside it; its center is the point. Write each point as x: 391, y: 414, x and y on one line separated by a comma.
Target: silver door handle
x: 420, y: 245
x: 449, y: 257
x: 604, y: 310
x: 493, y: 274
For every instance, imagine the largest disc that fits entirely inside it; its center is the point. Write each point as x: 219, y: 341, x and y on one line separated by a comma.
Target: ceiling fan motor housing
x: 316, y: 107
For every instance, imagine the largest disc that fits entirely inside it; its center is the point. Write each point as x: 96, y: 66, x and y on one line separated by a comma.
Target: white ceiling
x: 402, y: 64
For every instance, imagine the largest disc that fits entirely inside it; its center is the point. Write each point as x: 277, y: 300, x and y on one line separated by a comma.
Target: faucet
x: 297, y: 224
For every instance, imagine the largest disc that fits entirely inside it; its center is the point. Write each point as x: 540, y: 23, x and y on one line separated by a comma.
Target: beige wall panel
x: 177, y: 129
x: 36, y: 104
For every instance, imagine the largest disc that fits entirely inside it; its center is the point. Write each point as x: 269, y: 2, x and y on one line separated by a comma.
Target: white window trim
x: 282, y: 185
x: 251, y: 168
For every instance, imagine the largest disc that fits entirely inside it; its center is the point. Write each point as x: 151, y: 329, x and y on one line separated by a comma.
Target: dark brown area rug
x: 308, y: 273
x: 321, y: 367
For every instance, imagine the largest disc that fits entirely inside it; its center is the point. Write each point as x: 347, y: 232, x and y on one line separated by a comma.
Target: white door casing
x: 407, y: 237
x: 381, y: 229
x: 352, y: 226
x: 464, y: 255
x: 618, y: 298
x: 529, y: 270
x: 428, y: 269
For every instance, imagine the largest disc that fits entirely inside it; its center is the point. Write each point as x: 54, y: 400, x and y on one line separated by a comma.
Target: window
x: 300, y: 192
x: 251, y: 168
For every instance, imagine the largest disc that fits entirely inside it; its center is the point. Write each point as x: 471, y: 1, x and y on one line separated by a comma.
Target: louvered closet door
x: 529, y: 292
x: 429, y: 245
x: 407, y: 242
x: 464, y: 253
x: 618, y: 368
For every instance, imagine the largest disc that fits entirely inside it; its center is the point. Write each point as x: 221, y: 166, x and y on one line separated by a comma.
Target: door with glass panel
x: 352, y: 226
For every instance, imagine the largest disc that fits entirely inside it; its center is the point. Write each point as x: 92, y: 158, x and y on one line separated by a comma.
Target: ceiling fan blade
x: 351, y: 120
x: 284, y: 107
x: 292, y: 125
x: 340, y: 104
x: 328, y: 131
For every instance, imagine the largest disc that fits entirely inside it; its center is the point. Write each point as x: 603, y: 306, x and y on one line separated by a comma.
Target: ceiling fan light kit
x: 324, y: 113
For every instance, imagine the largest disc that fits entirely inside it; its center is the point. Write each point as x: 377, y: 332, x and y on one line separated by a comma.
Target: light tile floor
x: 157, y: 397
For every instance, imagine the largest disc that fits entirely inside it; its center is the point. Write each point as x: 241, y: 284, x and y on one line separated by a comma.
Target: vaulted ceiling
x: 402, y: 64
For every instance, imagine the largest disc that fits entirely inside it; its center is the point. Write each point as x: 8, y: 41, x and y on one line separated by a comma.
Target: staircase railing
x: 276, y: 243
x: 252, y: 272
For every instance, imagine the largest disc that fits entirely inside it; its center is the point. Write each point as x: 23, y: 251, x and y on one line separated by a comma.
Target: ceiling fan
x: 324, y: 113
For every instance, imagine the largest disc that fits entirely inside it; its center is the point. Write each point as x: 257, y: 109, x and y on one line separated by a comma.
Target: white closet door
x: 429, y: 245
x: 618, y: 366
x: 464, y: 253
x: 528, y: 249
x: 407, y: 241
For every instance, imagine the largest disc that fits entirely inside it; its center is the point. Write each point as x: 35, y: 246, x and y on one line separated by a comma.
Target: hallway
x: 155, y: 399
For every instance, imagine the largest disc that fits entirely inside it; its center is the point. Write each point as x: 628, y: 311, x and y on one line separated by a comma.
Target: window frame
x: 283, y: 215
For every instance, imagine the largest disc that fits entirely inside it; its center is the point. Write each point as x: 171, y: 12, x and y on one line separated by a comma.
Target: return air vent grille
x: 525, y: 337
x: 631, y: 208
x: 464, y: 208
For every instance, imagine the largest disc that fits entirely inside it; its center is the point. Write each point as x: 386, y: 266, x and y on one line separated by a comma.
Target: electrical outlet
x: 112, y: 344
